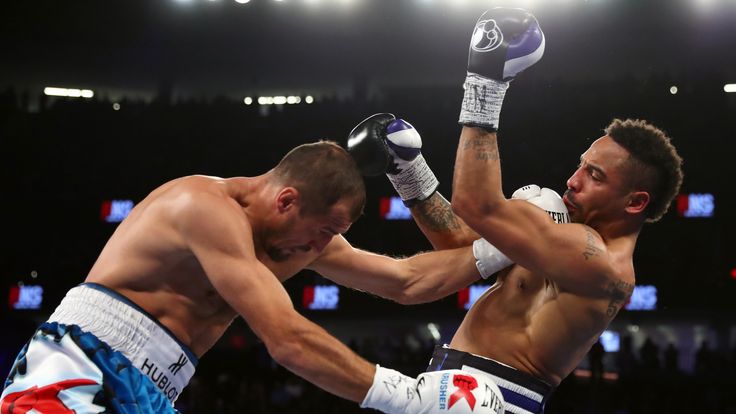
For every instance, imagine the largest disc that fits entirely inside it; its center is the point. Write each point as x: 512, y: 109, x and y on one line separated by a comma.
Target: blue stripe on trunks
x: 126, y: 389
x: 521, y: 401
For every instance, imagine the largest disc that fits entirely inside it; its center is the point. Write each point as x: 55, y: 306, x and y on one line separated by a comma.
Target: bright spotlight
x: 266, y: 100
x: 51, y: 91
x: 242, y: 1
x: 71, y: 93
x: 279, y: 100
x: 729, y: 87
x: 116, y: 106
x: 248, y: 100
x: 309, y: 99
x: 673, y: 90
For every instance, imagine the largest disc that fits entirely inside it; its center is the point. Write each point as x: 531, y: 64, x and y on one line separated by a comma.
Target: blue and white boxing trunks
x: 98, y: 352
x: 523, y: 393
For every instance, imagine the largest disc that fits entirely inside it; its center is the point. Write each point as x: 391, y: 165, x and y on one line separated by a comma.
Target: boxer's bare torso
x: 528, y: 322
x: 524, y: 320
x: 148, y: 261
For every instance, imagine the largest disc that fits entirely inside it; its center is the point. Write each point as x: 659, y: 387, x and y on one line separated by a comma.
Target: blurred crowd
x: 61, y: 157
x: 637, y: 381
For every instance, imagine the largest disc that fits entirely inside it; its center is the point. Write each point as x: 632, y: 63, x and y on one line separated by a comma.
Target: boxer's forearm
x: 439, y: 274
x: 477, y: 178
x: 421, y: 278
x: 311, y: 353
x: 440, y: 225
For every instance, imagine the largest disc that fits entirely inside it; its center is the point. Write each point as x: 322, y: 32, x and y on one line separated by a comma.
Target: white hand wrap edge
x: 482, y: 101
x: 488, y: 259
x: 415, y: 181
x: 380, y: 396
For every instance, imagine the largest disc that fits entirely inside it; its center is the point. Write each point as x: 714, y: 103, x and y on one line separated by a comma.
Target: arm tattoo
x: 591, y: 249
x: 619, y: 292
x: 485, y: 148
x: 436, y: 214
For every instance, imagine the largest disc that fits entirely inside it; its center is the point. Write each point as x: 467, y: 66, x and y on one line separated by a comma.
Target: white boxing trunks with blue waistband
x: 99, y: 352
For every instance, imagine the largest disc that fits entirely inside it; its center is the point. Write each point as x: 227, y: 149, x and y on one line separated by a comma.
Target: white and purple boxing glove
x: 409, y: 173
x: 383, y: 144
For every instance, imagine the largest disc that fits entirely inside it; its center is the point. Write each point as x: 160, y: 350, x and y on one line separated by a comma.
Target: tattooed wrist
x: 436, y: 214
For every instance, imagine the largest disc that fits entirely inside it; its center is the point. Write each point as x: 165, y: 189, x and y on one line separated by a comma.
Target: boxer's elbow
x: 412, y: 296
x: 408, y: 296
x: 287, y: 350
x: 414, y: 289
x: 471, y: 209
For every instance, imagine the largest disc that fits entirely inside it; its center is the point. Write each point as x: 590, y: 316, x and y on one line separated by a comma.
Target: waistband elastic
x: 127, y: 328
x: 523, y: 393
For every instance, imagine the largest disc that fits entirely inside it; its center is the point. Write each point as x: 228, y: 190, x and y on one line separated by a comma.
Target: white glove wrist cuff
x: 387, y: 392
x: 488, y: 259
x: 415, y: 181
x: 482, y: 101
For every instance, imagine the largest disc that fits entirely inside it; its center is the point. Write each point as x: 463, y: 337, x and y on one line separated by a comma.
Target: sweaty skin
x: 200, y: 251
x: 194, y: 255
x: 544, y: 313
x: 570, y: 279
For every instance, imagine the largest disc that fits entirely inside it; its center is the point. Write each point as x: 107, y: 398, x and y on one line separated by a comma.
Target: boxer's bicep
x: 358, y: 269
x: 514, y: 227
x: 420, y: 278
x: 572, y: 255
x: 578, y: 261
x: 223, y: 245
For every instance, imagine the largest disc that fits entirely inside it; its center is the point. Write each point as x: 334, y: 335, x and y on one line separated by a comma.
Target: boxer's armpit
x: 436, y: 214
x: 619, y: 292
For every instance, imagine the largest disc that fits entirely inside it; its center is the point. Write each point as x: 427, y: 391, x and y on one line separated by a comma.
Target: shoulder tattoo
x: 591, y: 245
x: 619, y: 292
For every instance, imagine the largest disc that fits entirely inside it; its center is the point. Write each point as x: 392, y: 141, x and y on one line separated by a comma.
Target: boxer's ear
x: 637, y: 202
x: 287, y: 199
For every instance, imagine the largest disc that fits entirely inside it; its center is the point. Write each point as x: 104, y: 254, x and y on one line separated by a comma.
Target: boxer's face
x: 596, y: 192
x: 302, y: 233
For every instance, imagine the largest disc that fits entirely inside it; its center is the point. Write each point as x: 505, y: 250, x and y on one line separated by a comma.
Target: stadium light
x: 68, y: 92
x: 673, y: 90
x: 729, y: 87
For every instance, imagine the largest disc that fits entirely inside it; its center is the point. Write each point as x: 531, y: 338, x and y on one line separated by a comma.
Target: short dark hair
x: 323, y: 173
x: 654, y: 164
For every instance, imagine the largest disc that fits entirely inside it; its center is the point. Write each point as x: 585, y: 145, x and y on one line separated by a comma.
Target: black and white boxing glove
x: 451, y: 391
x: 488, y: 259
x: 383, y: 144
x: 505, y: 41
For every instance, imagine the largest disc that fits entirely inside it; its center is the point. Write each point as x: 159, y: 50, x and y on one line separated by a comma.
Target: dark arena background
x: 102, y: 101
